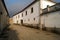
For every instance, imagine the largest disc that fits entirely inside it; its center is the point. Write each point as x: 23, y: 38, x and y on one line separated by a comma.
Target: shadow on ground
x: 13, y: 35
x: 9, y: 34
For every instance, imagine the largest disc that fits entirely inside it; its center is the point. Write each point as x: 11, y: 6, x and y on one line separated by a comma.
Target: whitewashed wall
x: 51, y: 20
x: 33, y: 15
x: 29, y: 15
x: 44, y: 3
x: 20, y: 18
x: 15, y: 19
x: 3, y: 17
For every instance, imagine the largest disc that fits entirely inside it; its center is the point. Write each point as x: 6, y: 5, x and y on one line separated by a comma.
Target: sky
x: 56, y: 1
x: 14, y: 6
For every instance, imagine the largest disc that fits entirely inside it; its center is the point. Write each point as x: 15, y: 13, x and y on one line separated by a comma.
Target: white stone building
x: 51, y: 19
x: 31, y: 14
x: 4, y: 16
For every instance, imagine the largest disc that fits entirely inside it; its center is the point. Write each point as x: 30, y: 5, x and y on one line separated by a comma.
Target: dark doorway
x: 17, y: 22
x: 21, y: 21
x: 0, y: 19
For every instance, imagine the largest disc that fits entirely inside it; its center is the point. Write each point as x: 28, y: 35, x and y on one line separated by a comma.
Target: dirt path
x: 24, y: 33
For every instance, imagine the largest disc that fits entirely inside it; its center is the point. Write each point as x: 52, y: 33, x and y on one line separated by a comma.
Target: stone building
x: 4, y: 16
x: 50, y: 18
x: 30, y: 15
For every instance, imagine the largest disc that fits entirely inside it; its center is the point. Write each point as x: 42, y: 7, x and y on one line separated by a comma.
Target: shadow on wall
x: 51, y: 29
x: 56, y: 30
x: 36, y: 26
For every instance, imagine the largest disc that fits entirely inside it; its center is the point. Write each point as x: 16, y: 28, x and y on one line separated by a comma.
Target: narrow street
x: 18, y: 32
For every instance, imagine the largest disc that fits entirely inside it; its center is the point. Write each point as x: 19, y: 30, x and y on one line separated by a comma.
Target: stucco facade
x: 26, y: 17
x: 3, y: 17
x: 29, y: 18
x: 51, y: 19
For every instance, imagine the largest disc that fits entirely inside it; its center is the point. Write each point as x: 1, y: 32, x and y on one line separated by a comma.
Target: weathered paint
x: 51, y: 20
x: 3, y: 17
x: 30, y: 16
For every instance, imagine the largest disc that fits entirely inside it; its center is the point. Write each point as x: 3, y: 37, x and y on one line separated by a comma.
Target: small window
x: 22, y: 14
x: 18, y: 16
x: 26, y: 12
x: 1, y: 13
x: 28, y: 19
x: 47, y: 6
x: 34, y: 19
x: 17, y: 22
x: 32, y: 10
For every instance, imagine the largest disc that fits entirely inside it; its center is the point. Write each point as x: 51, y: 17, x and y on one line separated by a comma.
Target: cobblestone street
x: 25, y: 33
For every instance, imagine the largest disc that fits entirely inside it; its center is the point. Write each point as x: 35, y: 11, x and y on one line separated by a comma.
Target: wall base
x: 50, y: 29
x: 32, y: 26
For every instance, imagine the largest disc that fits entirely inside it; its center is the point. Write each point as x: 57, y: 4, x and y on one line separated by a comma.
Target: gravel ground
x: 19, y: 32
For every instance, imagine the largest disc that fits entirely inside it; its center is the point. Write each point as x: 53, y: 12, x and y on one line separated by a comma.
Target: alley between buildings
x: 18, y: 32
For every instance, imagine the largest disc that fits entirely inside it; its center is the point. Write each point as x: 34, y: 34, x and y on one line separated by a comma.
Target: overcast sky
x: 15, y: 6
